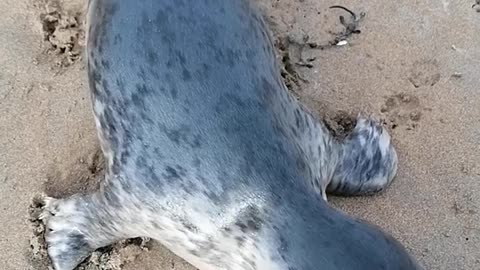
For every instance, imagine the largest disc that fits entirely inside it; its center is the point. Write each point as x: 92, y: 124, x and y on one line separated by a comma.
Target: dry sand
x: 415, y: 64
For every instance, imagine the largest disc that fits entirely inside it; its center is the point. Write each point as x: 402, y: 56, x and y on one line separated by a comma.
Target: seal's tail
x: 367, y: 163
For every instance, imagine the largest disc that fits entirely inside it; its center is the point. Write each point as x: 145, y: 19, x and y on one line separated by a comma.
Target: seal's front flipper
x: 367, y: 163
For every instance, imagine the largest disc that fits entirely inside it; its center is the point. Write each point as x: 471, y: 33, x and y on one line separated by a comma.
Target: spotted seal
x: 209, y: 154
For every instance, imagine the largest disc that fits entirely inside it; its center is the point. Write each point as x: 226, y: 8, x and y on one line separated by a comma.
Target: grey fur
x: 209, y: 154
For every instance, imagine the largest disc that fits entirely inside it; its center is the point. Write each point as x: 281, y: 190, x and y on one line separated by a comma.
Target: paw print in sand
x: 402, y: 110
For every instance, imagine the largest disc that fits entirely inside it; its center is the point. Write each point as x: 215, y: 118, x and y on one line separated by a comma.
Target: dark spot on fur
x: 196, y: 141
x: 197, y: 162
x: 94, y: 78
x: 157, y: 226
x: 283, y: 248
x: 141, y: 88
x: 142, y: 74
x: 301, y: 163
x: 117, y: 39
x: 254, y: 224
x: 174, y: 92
x: 189, y: 226
x: 152, y: 57
x: 105, y: 64
x: 105, y: 87
x: 171, y: 173
x: 145, y: 117
x: 174, y: 173
x: 174, y: 136
x: 112, y: 198
x: 141, y: 162
x: 107, y: 123
x: 231, y: 57
x: 195, y: 252
x: 158, y: 153
x: 78, y: 242
x: 250, y: 54
x: 249, y: 263
x: 124, y: 156
x: 183, y: 135
x: 161, y: 21
x: 181, y: 170
x: 235, y: 100
x: 298, y: 119
x: 250, y: 220
x: 138, y: 100
x: 240, y: 240
x: 294, y: 130
x: 181, y: 58
x: 186, y: 75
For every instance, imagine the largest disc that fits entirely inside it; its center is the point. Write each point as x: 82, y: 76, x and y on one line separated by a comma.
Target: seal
x: 208, y: 153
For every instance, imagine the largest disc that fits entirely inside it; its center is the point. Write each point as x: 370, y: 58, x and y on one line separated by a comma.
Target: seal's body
x: 209, y: 154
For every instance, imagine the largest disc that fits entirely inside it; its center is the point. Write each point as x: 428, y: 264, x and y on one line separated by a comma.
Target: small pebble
x: 342, y: 43
x: 457, y: 75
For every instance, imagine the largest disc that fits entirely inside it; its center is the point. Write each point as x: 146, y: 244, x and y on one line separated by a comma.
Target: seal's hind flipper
x: 367, y: 163
x: 66, y: 243
x: 78, y: 225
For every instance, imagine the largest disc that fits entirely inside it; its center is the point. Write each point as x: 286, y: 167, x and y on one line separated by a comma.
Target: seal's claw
x: 368, y: 161
x: 67, y: 245
x: 48, y: 207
